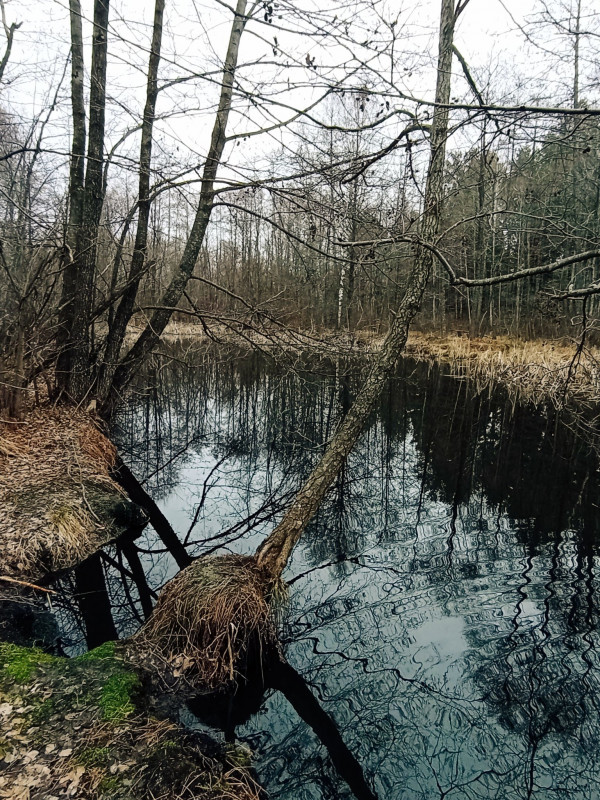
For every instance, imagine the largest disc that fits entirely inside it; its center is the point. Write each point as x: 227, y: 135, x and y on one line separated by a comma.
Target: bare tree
x: 86, y: 205
x: 274, y: 553
x: 9, y: 32
x: 116, y: 333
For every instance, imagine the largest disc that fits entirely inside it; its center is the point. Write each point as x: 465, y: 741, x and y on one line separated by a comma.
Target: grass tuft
x: 108, y: 786
x: 213, y: 620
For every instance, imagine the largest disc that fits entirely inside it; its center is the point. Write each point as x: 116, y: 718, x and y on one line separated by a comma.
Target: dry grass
x: 48, y: 462
x: 212, y: 620
x: 53, y: 444
x: 531, y: 371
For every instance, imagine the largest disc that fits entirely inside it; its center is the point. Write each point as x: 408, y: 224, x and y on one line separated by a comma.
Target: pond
x: 443, y: 605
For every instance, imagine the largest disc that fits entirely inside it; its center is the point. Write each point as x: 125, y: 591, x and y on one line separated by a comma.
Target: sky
x: 195, y: 39
x: 486, y: 32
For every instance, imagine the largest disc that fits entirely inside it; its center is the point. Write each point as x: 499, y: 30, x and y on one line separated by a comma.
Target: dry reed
x: 530, y: 371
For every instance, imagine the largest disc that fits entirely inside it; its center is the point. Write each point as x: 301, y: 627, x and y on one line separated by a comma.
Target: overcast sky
x: 196, y: 33
x: 487, y: 32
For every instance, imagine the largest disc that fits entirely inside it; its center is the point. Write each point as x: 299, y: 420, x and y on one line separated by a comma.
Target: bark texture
x: 275, y: 551
x: 116, y: 333
x: 76, y: 188
x: 150, y: 336
x: 75, y: 367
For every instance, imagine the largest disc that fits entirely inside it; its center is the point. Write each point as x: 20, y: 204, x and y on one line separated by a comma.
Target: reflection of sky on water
x: 452, y: 639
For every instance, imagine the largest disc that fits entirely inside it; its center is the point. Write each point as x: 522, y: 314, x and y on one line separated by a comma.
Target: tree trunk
x: 150, y: 336
x: 275, y: 551
x: 116, y: 333
x: 576, y: 56
x: 77, y: 165
x: 74, y: 368
x: 76, y: 188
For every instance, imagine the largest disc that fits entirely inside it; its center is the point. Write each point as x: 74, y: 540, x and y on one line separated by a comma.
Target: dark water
x: 444, y: 604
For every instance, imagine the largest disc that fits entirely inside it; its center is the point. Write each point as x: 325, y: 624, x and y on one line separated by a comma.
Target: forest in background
x: 318, y: 225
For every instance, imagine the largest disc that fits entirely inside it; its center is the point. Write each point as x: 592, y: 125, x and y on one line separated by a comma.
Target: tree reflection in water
x: 443, y: 604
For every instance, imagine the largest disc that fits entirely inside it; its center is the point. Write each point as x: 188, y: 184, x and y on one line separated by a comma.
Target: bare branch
x: 9, y: 31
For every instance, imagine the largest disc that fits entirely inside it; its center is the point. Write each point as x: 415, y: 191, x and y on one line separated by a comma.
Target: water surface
x: 443, y: 605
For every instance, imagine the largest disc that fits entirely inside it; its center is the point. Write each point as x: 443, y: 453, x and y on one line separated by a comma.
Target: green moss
x: 19, y: 663
x: 42, y: 712
x: 94, y: 757
x: 116, y: 696
x: 106, y: 650
x: 108, y: 785
x: 118, y: 686
x: 111, y: 688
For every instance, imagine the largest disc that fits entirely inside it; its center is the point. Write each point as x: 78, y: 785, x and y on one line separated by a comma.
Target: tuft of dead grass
x: 54, y: 465
x: 531, y: 371
x: 213, y: 620
x: 99, y: 450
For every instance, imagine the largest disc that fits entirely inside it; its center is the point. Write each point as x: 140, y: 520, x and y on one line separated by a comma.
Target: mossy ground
x: 82, y: 728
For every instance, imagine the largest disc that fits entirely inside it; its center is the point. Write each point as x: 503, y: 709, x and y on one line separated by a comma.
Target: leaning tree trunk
x: 117, y: 330
x: 275, y: 551
x: 151, y: 334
